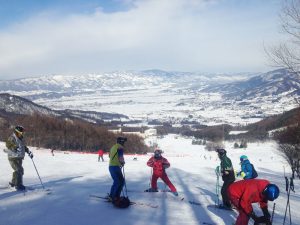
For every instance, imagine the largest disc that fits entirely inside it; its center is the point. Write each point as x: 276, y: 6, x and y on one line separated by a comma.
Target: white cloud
x: 173, y: 35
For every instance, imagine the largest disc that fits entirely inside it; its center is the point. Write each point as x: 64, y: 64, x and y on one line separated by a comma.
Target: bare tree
x: 289, y: 144
x: 287, y: 53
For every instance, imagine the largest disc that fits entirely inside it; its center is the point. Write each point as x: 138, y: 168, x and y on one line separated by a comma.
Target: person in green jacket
x: 228, y: 176
x: 16, y: 149
x: 116, y: 162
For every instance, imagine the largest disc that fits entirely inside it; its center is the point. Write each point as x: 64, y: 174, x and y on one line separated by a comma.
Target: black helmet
x: 157, y: 153
x: 221, y: 151
x: 271, y: 192
x: 121, y: 140
x: 19, y: 129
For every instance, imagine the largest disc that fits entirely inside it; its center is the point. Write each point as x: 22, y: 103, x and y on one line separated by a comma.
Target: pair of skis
x: 28, y: 189
x: 131, y: 202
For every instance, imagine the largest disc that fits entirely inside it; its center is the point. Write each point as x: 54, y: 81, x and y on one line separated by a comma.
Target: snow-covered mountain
x: 279, y: 83
x: 17, y: 105
x: 113, y: 81
x: 167, y: 96
x: 11, y: 104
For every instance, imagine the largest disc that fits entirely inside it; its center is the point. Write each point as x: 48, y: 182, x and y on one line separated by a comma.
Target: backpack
x: 122, y: 202
x: 254, y: 173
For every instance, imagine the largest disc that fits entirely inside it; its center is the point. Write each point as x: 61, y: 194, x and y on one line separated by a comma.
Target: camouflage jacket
x: 15, y: 147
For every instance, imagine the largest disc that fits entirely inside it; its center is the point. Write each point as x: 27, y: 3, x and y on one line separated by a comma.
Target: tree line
x: 65, y: 134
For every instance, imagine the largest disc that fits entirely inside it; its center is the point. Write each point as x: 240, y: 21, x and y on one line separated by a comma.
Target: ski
x: 194, y: 202
x: 158, y: 191
x: 32, y: 190
x: 206, y: 223
x: 220, y: 207
x: 131, y: 202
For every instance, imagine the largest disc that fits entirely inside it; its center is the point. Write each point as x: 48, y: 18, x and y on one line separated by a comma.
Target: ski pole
x: 273, y: 210
x: 38, y: 173
x: 217, y: 186
x: 124, y: 182
x: 287, y: 189
x: 291, y: 188
x: 150, y: 177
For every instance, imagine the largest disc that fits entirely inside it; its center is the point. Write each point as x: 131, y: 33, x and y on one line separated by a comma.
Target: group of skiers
x: 239, y: 195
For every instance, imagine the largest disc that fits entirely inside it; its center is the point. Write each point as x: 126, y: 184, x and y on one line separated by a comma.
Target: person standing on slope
x: 228, y: 177
x: 159, y: 165
x: 245, y: 192
x: 16, y: 149
x: 247, y: 169
x: 100, y: 155
x: 116, y: 162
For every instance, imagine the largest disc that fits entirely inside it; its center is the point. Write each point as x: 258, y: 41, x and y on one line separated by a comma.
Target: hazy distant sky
x: 44, y: 37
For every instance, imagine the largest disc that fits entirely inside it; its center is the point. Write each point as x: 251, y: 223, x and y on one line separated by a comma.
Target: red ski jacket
x: 100, y: 152
x: 159, y: 165
x: 245, y: 192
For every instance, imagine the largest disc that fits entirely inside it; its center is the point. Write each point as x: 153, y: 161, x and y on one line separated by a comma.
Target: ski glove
x: 243, y: 175
x: 262, y: 220
x: 253, y: 216
x: 266, y: 213
x: 267, y: 216
x: 29, y: 153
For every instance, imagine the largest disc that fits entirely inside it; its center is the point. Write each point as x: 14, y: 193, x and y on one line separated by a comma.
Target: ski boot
x: 20, y: 187
x: 151, y: 190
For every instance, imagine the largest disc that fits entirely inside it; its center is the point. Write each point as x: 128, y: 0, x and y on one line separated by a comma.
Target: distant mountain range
x: 57, y: 85
x: 11, y: 104
x: 156, y: 94
x: 278, y: 82
x: 242, y: 85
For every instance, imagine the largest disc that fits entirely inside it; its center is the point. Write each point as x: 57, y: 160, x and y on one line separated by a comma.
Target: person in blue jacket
x: 247, y: 169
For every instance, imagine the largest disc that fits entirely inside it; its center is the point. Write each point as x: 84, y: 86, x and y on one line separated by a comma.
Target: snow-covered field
x: 73, y: 177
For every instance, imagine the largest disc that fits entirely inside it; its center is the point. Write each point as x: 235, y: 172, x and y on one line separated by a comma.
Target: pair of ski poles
x: 289, y: 185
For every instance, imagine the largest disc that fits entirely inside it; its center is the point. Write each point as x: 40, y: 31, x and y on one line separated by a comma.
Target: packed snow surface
x: 72, y: 177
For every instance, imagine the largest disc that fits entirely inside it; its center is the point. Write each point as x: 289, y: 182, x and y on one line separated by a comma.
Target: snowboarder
x: 159, y: 165
x: 100, y: 155
x: 16, y: 149
x: 228, y: 176
x: 116, y: 162
x: 245, y: 192
x: 247, y: 169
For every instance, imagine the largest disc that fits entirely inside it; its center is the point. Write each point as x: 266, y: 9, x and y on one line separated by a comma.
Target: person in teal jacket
x: 247, y: 170
x: 116, y: 162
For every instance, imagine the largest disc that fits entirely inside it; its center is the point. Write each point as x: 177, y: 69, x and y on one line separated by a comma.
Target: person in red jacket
x: 245, y: 192
x: 159, y: 165
x: 100, y: 155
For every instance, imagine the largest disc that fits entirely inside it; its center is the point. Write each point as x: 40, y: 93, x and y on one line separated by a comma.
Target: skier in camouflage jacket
x: 16, y: 149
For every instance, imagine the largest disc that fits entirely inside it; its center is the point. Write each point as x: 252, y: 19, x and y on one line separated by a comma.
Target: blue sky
x: 44, y: 37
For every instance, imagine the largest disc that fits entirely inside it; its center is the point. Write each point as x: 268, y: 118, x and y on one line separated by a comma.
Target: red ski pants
x: 242, y: 219
x: 165, y: 179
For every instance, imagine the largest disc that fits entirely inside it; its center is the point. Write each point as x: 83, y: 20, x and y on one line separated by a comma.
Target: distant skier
x: 159, y: 165
x: 16, y: 149
x: 100, y: 155
x: 247, y: 169
x: 245, y: 192
x: 116, y: 162
x: 228, y: 177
